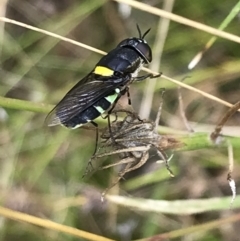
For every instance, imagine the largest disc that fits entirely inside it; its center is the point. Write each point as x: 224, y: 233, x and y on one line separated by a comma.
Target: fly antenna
x: 139, y: 31
x: 146, y: 33
x: 140, y: 34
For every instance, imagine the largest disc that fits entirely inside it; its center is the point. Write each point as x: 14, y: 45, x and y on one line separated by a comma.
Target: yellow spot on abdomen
x: 104, y: 71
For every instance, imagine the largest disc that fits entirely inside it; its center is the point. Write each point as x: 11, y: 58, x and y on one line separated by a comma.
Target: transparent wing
x: 84, y: 94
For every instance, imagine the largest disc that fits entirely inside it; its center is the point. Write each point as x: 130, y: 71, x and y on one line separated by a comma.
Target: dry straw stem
x: 159, y: 42
x: 159, y: 12
x: 7, y: 20
x: 5, y: 212
x: 216, y: 133
x: 231, y: 181
x: 212, y: 40
x: 209, y: 96
x: 197, y: 228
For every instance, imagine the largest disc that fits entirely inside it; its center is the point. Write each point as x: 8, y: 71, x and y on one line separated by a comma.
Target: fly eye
x: 145, y: 51
x: 140, y: 45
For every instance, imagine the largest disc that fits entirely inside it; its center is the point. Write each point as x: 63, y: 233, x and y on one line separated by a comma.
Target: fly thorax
x: 135, y: 73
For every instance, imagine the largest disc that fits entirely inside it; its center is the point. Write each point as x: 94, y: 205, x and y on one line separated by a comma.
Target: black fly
x: 99, y: 91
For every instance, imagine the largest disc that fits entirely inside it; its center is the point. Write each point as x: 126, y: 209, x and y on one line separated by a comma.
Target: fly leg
x: 109, y: 121
x: 108, y: 118
x: 110, y: 130
x: 89, y: 167
x: 134, y: 113
x: 151, y: 76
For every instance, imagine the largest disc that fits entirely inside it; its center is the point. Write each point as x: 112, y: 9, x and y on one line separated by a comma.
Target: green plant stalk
x: 24, y: 105
x: 176, y: 207
x: 202, y: 140
x: 190, y: 142
x: 224, y: 24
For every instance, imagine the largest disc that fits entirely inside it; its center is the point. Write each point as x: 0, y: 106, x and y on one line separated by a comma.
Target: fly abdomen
x: 93, y: 111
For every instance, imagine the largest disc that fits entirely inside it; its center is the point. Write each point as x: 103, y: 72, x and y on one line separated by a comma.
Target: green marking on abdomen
x: 99, y: 109
x: 112, y: 98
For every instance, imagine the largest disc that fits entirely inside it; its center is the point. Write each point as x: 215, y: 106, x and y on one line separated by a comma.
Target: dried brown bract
x: 132, y: 139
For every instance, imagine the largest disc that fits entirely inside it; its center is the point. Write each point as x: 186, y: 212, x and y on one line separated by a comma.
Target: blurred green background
x: 41, y: 168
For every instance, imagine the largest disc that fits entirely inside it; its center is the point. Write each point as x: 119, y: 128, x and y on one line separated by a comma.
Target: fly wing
x: 84, y: 94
